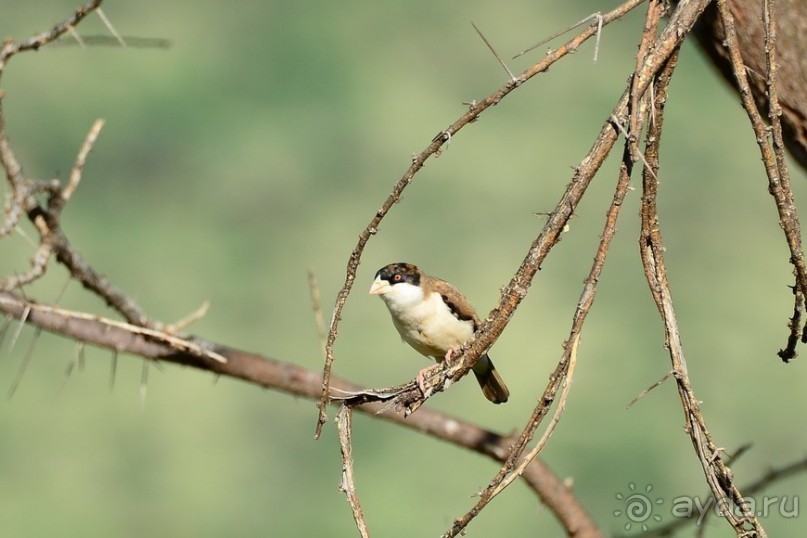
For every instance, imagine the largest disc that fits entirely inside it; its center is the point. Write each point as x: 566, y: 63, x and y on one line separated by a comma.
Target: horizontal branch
x: 296, y: 380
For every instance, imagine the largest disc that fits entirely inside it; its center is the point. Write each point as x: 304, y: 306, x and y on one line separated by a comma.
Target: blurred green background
x: 257, y: 147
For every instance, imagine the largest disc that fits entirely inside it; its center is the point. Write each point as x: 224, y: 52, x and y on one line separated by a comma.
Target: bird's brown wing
x: 456, y: 301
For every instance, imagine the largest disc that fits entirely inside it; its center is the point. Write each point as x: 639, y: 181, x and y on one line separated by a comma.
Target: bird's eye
x: 397, y: 278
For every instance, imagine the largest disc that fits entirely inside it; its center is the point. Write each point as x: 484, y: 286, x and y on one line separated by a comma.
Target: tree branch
x: 297, y: 381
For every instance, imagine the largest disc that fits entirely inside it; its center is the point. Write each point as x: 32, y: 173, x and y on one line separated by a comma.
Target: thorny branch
x: 769, y: 138
x: 297, y: 381
x: 563, y: 371
x: 680, y: 23
x: 518, y: 286
x: 46, y: 219
x: 344, y: 425
x: 645, y: 94
x: 146, y: 338
x: 770, y: 477
x: 655, y: 65
x: 718, y: 475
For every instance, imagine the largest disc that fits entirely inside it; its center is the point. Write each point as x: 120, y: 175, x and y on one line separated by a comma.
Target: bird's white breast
x: 425, y: 322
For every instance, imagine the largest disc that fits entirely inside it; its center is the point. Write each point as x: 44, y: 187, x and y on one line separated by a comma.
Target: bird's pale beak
x: 379, y: 287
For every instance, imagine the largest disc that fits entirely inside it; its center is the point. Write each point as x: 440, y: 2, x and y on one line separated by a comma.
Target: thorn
x: 25, y: 236
x: 76, y: 36
x: 599, y: 18
x: 80, y: 356
x: 638, y: 153
x: 23, y: 318
x: 113, y: 371
x: 24, y: 366
x: 144, y: 378
x: 645, y: 392
x: 111, y: 28
x: 596, y: 15
x: 496, y: 54
x: 67, y: 373
x: 4, y: 328
x: 197, y: 314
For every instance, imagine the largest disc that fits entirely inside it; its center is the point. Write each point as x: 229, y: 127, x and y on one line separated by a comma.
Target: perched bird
x: 433, y: 317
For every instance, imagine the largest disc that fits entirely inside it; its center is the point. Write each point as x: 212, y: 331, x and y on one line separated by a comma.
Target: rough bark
x: 792, y: 55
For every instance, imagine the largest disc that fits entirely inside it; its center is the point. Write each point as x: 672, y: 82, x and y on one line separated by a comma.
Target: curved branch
x: 298, y: 381
x: 517, y: 289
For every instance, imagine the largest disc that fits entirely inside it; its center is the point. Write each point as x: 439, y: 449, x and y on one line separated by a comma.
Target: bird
x: 433, y: 317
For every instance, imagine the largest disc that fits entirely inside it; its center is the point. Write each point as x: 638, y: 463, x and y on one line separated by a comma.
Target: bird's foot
x: 424, y: 375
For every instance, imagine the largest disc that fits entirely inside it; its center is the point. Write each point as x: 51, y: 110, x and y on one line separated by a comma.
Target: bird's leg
x: 428, y: 372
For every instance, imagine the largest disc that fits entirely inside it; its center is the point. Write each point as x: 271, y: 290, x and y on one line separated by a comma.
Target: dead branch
x: 749, y: 28
x: 344, y: 425
x: 517, y: 288
x: 297, y: 381
x: 718, y: 475
x: 645, y: 95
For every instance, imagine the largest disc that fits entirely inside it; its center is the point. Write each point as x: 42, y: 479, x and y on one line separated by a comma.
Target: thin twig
x: 772, y: 154
x: 57, y: 203
x: 344, y: 425
x: 181, y: 344
x: 193, y: 317
x: 550, y: 429
x: 717, y: 474
x: 565, y: 365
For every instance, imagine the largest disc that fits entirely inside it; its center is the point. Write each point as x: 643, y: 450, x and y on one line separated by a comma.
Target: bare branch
x: 517, y: 289
x: 10, y: 48
x: 344, y: 425
x: 11, y: 303
x: 297, y: 381
x: 598, y: 19
x: 57, y: 203
x: 718, y: 475
x: 772, y: 152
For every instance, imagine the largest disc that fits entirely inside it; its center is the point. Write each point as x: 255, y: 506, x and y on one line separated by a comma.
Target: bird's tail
x: 489, y: 379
